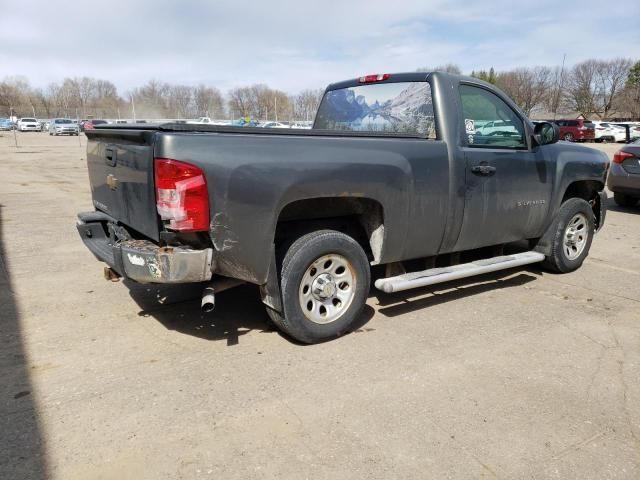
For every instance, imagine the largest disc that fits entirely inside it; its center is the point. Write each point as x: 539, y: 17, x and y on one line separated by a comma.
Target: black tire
x: 568, y: 137
x: 625, y: 200
x: 560, y: 260
x: 298, y: 259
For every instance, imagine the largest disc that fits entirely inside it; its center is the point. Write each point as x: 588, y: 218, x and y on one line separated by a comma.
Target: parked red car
x: 577, y: 130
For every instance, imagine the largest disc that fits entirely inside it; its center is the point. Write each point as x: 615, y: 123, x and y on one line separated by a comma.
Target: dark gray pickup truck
x: 435, y: 177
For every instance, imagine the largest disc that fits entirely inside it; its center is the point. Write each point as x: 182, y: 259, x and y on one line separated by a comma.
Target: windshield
x: 404, y: 107
x: 28, y: 119
x: 63, y: 120
x: 98, y: 122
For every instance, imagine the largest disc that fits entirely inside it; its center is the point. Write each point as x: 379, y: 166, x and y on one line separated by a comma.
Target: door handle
x: 485, y: 170
x: 110, y: 156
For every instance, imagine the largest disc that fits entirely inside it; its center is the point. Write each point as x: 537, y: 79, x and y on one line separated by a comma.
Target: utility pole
x: 560, y: 86
x: 11, y: 116
x: 133, y: 109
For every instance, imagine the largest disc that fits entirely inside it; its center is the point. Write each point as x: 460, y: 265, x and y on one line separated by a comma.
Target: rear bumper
x: 142, y: 260
x: 621, y: 181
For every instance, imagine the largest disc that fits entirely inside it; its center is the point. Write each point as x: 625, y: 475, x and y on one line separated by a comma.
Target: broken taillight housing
x: 182, y: 198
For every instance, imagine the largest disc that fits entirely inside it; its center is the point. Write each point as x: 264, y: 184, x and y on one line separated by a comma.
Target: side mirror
x: 545, y: 133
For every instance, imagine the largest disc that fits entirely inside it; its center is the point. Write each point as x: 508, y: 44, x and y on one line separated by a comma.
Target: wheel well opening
x: 588, y: 191
x: 360, y: 218
x: 585, y: 189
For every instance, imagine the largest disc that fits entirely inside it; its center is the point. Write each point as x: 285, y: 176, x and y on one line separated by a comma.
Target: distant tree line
x: 87, y: 97
x: 596, y: 88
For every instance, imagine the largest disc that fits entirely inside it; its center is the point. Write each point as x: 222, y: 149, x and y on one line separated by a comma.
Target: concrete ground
x: 522, y: 374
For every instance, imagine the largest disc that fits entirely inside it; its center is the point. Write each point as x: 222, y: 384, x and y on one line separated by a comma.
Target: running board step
x: 446, y: 274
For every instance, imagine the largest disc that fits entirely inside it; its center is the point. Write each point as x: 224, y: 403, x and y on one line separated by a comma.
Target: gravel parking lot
x: 520, y: 374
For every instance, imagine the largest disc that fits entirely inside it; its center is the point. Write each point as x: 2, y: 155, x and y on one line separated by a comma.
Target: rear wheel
x: 324, y: 280
x: 625, y: 200
x: 568, y: 137
x: 572, y: 235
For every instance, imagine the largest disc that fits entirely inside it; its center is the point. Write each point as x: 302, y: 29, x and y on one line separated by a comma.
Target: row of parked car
x: 580, y: 130
x: 249, y: 122
x: 56, y: 126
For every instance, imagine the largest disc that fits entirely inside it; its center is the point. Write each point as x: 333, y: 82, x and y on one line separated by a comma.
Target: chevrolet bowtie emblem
x: 112, y: 181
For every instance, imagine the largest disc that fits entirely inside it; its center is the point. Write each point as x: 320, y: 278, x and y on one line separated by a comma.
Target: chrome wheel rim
x: 575, y: 236
x: 327, y: 288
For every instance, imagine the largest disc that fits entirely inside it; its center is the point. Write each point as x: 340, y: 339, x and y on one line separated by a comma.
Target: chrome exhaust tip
x: 208, y: 299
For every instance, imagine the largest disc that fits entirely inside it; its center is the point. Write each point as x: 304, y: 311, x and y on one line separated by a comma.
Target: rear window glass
x: 403, y: 107
x: 98, y: 122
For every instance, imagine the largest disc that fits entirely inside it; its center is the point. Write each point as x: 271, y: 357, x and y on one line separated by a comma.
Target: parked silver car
x: 6, y: 124
x: 624, y: 175
x: 63, y: 126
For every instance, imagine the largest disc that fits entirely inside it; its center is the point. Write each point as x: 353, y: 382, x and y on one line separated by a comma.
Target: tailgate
x: 120, y: 164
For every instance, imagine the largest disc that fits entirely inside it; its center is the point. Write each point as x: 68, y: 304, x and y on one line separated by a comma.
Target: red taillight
x: 88, y: 126
x: 621, y: 156
x: 378, y: 77
x: 181, y: 195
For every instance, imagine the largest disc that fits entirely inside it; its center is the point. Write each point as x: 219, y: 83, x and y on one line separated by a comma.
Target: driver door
x: 507, y: 182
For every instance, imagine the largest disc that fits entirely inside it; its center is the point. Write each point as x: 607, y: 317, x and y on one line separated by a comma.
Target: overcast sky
x: 300, y: 44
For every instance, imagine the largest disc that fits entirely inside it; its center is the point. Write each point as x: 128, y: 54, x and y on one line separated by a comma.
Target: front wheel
x: 568, y: 137
x: 573, y: 230
x: 324, y: 280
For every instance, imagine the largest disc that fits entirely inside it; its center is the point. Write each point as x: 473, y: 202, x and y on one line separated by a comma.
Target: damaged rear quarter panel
x: 252, y: 177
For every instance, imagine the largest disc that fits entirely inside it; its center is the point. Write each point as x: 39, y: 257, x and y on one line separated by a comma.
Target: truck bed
x: 201, y: 128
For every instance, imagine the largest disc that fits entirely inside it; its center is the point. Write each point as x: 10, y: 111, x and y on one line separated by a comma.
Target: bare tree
x: 306, y: 104
x: 596, y: 84
x: 152, y: 99
x: 208, y: 101
x: 526, y: 86
x: 181, y: 100
x: 609, y: 82
x: 14, y: 95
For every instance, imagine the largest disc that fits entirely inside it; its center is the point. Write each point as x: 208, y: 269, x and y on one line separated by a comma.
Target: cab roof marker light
x: 376, y: 77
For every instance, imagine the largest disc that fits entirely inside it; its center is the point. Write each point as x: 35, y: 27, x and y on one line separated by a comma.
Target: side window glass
x: 489, y: 121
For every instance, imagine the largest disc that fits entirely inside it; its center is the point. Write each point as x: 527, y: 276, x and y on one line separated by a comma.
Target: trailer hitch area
x: 111, y: 275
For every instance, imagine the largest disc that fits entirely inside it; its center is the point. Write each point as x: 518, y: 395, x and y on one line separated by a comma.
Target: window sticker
x: 470, y: 125
x: 470, y: 137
